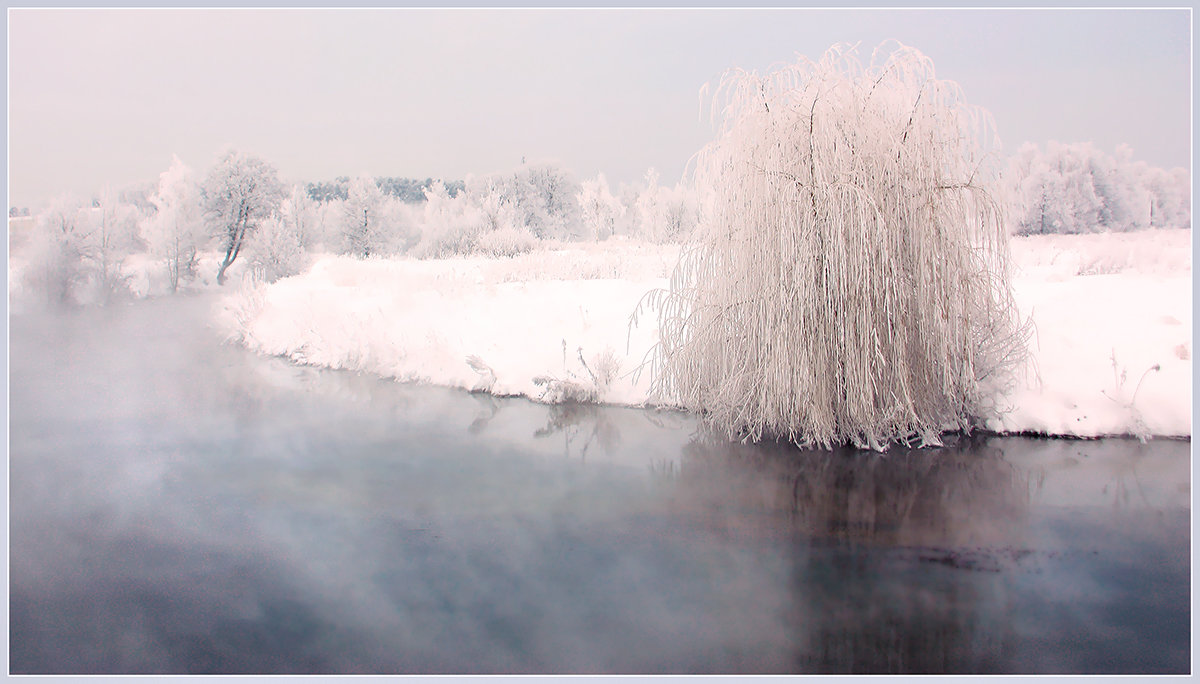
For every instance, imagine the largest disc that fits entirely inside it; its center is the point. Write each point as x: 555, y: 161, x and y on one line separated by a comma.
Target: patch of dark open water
x: 179, y: 506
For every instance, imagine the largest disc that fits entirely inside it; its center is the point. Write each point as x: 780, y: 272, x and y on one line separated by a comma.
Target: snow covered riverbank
x: 1108, y: 310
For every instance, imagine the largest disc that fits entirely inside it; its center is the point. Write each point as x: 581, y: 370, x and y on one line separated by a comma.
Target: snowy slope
x: 1093, y: 299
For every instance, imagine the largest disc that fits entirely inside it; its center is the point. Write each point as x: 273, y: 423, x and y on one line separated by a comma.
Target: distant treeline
x: 1078, y: 188
x: 409, y: 190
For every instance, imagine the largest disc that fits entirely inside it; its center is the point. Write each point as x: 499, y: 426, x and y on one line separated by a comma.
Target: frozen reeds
x: 849, y: 282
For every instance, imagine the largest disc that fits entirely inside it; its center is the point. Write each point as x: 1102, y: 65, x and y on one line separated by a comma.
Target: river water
x: 178, y: 505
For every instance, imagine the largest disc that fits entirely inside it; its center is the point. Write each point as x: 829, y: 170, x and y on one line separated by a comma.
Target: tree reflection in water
x: 881, y: 544
x: 965, y: 493
x: 572, y: 420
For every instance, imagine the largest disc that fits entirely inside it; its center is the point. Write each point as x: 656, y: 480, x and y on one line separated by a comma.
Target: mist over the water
x: 182, y: 506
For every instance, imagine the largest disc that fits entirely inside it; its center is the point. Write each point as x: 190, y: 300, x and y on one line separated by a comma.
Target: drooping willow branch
x: 850, y: 279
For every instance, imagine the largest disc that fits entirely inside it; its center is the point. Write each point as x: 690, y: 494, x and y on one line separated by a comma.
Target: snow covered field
x: 1112, y: 349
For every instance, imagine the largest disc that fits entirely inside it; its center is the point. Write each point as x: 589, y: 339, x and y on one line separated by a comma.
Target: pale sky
x: 106, y: 97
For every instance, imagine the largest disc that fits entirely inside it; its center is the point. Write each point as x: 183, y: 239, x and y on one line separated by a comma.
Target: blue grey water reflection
x: 181, y: 506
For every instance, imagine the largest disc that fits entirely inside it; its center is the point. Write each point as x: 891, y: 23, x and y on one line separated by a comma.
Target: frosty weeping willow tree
x: 849, y: 281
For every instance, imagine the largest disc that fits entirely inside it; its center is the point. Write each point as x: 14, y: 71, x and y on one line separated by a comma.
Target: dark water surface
x: 179, y: 506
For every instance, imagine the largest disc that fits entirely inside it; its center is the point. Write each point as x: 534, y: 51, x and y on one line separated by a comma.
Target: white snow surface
x: 1108, y: 309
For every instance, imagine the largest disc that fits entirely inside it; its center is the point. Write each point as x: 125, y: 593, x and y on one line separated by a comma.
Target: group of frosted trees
x: 1077, y: 188
x: 79, y: 251
x: 239, y: 212
x: 505, y: 213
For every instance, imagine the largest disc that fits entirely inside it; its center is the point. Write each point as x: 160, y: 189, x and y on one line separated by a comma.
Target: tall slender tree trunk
x: 237, y: 234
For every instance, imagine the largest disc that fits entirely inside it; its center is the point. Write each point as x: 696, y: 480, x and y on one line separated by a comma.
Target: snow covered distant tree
x: 599, y: 210
x: 175, y: 229
x: 1057, y: 194
x: 302, y: 215
x: 497, y: 207
x: 362, y: 222
x: 543, y: 196
x: 239, y: 193
x: 328, y: 191
x: 502, y: 230
x: 555, y: 201
x: 647, y: 206
x: 629, y: 223
x: 1169, y: 195
x: 112, y: 232
x: 449, y: 225
x: 78, y: 249
x: 59, y: 252
x: 664, y: 214
x: 327, y: 226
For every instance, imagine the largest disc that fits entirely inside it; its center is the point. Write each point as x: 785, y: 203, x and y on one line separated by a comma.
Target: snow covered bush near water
x: 546, y: 314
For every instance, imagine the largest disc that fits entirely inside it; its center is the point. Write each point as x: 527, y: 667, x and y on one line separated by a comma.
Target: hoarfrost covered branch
x: 850, y: 280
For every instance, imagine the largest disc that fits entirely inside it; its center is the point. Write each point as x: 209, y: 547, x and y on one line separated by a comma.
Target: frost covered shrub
x: 664, y: 214
x: 661, y: 214
x: 599, y: 210
x: 303, y: 216
x: 573, y: 388
x: 502, y: 230
x: 59, y: 254
x: 505, y: 242
x: 548, y: 196
x: 492, y: 196
x: 540, y: 197
x: 277, y: 249
x: 449, y: 225
x: 500, y: 214
x: 849, y: 283
x: 372, y: 223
